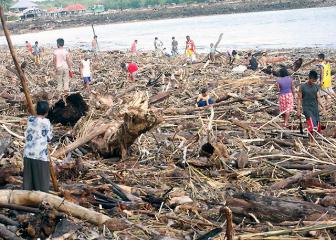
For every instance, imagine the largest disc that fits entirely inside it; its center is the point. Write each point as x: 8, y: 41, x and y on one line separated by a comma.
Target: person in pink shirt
x: 63, y: 67
x: 131, y: 68
x: 134, y: 47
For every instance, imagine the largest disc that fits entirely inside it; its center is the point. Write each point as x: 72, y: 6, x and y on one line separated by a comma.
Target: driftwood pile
x: 144, y: 163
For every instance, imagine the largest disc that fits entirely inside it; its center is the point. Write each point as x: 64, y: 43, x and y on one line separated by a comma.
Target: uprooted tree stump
x: 68, y: 112
x: 113, y: 138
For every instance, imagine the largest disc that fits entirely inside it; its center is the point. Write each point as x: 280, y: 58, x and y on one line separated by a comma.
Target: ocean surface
x: 313, y: 27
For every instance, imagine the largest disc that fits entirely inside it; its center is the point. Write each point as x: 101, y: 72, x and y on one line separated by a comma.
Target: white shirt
x: 86, y: 68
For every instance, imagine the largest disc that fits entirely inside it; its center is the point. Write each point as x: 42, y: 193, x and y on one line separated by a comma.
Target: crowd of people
x: 39, y: 130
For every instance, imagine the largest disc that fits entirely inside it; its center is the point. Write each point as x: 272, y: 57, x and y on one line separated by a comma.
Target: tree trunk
x: 275, y: 209
x: 35, y: 198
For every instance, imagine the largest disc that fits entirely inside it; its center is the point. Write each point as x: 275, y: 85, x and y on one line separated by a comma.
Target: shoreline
x: 178, y: 11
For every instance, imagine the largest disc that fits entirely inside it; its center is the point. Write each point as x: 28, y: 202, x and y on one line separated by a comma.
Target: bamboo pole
x: 21, y: 74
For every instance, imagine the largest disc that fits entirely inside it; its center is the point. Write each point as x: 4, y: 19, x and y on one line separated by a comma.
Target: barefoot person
x: 63, y: 65
x: 36, y: 172
x: 204, y: 99
x: 29, y: 47
x: 286, y: 99
x: 309, y: 101
x: 174, y: 49
x: 325, y: 78
x: 86, y: 71
x: 94, y: 44
x: 190, y: 49
x: 131, y: 69
x: 134, y: 47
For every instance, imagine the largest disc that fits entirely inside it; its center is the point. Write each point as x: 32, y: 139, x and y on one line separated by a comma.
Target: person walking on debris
x: 158, y: 47
x: 174, y: 50
x: 63, y: 67
x: 309, y: 101
x: 325, y: 77
x: 131, y: 69
x: 37, y: 53
x: 233, y: 57
x: 212, y: 52
x: 86, y: 71
x: 252, y: 62
x: 190, y: 49
x: 29, y: 47
x: 134, y: 47
x: 204, y: 99
x: 94, y: 44
x: 286, y: 90
x: 36, y: 172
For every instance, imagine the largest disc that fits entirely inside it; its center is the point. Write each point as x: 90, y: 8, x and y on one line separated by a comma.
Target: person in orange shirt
x: 29, y: 47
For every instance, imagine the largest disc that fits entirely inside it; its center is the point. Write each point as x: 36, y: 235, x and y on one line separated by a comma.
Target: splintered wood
x: 145, y: 163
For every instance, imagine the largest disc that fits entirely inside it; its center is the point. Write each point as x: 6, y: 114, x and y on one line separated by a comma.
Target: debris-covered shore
x: 186, y: 168
x: 162, y: 12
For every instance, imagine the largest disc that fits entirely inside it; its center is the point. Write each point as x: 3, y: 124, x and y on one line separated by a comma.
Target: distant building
x: 75, y: 8
x: 98, y: 8
x: 23, y: 5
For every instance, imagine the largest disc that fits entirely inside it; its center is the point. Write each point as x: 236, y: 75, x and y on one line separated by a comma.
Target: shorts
x: 87, y: 80
x: 327, y: 91
x: 286, y: 102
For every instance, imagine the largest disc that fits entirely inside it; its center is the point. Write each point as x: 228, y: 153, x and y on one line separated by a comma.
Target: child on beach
x: 204, y: 99
x: 131, y: 69
x: 36, y: 172
x: 86, y: 71
x: 37, y: 53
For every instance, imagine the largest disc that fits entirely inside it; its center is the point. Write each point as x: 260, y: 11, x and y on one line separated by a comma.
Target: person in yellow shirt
x: 325, y: 77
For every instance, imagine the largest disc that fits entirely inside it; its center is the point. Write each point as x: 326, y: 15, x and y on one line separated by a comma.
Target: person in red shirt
x: 131, y: 68
x: 29, y: 47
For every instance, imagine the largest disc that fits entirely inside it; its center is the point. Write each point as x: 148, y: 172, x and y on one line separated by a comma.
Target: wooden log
x: 302, y: 178
x: 7, y: 235
x: 34, y: 198
x: 243, y: 204
x: 19, y: 208
x: 81, y: 141
x: 5, y: 141
x: 7, y: 221
x: 23, y: 78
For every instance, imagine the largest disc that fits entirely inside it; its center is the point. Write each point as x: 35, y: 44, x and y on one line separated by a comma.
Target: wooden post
x: 21, y: 74
x: 53, y: 174
x: 229, y: 225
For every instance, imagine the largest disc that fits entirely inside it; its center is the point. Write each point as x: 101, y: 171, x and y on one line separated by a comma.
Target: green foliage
x: 6, y: 4
x: 116, y: 4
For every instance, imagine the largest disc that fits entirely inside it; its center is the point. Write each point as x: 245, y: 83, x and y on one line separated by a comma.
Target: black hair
x: 313, y: 75
x: 26, y: 41
x: 173, y: 37
x: 234, y: 52
x: 156, y: 38
x: 95, y: 36
x: 135, y: 40
x: 249, y: 54
x: 42, y: 108
x: 321, y: 56
x: 187, y: 36
x: 60, y: 42
x: 204, y: 90
x: 123, y: 65
x: 36, y: 42
x: 283, y: 72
